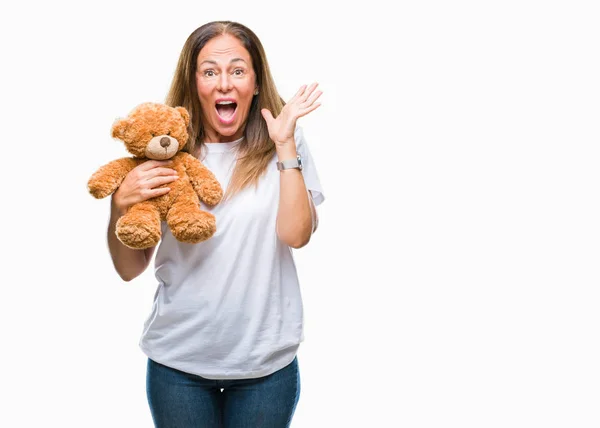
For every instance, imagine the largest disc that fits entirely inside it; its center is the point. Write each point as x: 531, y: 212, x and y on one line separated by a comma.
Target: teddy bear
x: 158, y: 131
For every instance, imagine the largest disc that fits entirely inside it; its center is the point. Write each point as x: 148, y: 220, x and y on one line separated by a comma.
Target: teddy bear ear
x: 184, y: 113
x: 119, y: 128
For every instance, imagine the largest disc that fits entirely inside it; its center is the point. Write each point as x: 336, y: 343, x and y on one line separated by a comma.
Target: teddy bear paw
x: 194, y: 229
x: 137, y: 236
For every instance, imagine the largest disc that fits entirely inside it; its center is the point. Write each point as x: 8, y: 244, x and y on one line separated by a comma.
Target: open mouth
x: 226, y: 111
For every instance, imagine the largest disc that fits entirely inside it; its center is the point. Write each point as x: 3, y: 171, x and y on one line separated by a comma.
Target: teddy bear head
x: 153, y: 130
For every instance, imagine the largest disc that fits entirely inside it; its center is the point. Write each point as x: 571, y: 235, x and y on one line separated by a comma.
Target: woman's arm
x: 296, y: 216
x: 128, y: 263
x: 296, y: 213
x: 140, y: 184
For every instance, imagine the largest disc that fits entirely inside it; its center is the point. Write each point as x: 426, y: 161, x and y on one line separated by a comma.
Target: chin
x: 227, y: 130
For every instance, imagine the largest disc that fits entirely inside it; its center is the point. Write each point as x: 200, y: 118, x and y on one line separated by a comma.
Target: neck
x: 214, y: 137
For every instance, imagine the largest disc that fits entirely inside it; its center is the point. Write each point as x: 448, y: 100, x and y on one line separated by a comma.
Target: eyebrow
x: 210, y: 61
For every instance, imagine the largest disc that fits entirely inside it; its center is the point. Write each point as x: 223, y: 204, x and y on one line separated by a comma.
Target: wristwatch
x: 290, y: 164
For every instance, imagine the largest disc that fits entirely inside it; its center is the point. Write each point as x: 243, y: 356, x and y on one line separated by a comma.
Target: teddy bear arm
x: 108, y: 178
x: 203, y: 181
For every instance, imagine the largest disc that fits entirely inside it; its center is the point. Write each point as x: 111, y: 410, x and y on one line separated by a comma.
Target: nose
x: 165, y: 142
x: 224, y: 82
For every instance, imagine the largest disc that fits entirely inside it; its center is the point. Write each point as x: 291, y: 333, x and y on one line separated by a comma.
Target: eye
x: 169, y: 133
x: 238, y: 72
x: 209, y: 73
x: 153, y: 134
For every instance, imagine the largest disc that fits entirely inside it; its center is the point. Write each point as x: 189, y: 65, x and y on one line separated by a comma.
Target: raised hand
x: 281, y: 128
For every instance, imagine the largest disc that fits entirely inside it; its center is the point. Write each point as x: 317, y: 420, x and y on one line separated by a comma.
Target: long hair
x: 256, y: 149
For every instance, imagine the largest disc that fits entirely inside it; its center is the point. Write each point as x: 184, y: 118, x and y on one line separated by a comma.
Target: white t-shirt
x: 230, y: 307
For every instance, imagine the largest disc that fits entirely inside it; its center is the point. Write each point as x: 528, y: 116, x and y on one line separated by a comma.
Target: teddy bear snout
x: 162, y: 147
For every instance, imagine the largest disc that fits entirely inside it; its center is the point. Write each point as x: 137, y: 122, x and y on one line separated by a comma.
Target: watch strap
x: 290, y: 164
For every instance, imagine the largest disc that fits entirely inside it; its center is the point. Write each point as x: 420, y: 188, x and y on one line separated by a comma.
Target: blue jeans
x: 182, y: 400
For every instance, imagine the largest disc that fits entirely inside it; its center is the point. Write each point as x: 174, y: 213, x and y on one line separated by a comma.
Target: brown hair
x: 256, y: 149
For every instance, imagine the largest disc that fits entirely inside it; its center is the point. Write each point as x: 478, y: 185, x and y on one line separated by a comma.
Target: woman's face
x: 226, y: 84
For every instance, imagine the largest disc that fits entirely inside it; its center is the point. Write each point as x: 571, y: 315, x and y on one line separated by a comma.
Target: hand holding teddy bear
x: 154, y: 133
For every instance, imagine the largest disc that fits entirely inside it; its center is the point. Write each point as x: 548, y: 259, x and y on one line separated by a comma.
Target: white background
x: 454, y: 279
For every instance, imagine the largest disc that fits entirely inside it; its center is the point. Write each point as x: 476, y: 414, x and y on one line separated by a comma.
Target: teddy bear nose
x: 164, y: 142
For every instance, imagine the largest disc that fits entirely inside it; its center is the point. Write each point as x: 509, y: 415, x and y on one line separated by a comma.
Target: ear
x: 119, y: 128
x: 184, y: 113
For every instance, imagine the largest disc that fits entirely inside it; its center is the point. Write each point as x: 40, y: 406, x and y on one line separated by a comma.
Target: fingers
x: 149, y: 174
x: 149, y: 164
x: 298, y: 94
x: 307, y: 110
x: 160, y: 171
x: 267, y: 115
x: 152, y: 193
x: 308, y: 92
x: 309, y: 98
x: 303, y: 94
x: 314, y: 97
x: 142, y: 191
x: 302, y: 103
x: 306, y: 95
x: 159, y: 181
x: 144, y: 181
x: 156, y: 177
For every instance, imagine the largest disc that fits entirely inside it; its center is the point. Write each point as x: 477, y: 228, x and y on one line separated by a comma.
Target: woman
x: 226, y: 322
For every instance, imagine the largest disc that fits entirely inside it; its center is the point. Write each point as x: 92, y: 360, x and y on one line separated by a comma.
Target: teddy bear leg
x: 140, y: 227
x: 188, y: 223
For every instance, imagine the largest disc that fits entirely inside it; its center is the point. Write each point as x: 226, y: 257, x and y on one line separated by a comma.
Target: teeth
x: 225, y: 102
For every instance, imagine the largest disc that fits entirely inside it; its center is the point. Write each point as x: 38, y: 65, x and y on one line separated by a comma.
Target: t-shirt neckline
x: 221, y: 147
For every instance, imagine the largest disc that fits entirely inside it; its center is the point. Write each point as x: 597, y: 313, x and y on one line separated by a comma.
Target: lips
x: 226, y: 109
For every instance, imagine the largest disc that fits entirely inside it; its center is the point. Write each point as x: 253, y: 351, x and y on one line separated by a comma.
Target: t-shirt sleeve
x: 309, y: 170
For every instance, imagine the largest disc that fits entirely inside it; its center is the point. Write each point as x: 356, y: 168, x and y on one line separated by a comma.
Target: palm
x: 281, y: 128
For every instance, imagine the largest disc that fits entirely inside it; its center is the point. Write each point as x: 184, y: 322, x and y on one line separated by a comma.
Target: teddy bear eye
x: 168, y: 132
x: 153, y: 134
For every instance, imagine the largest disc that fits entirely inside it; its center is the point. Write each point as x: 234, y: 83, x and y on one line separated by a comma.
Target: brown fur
x: 140, y: 228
